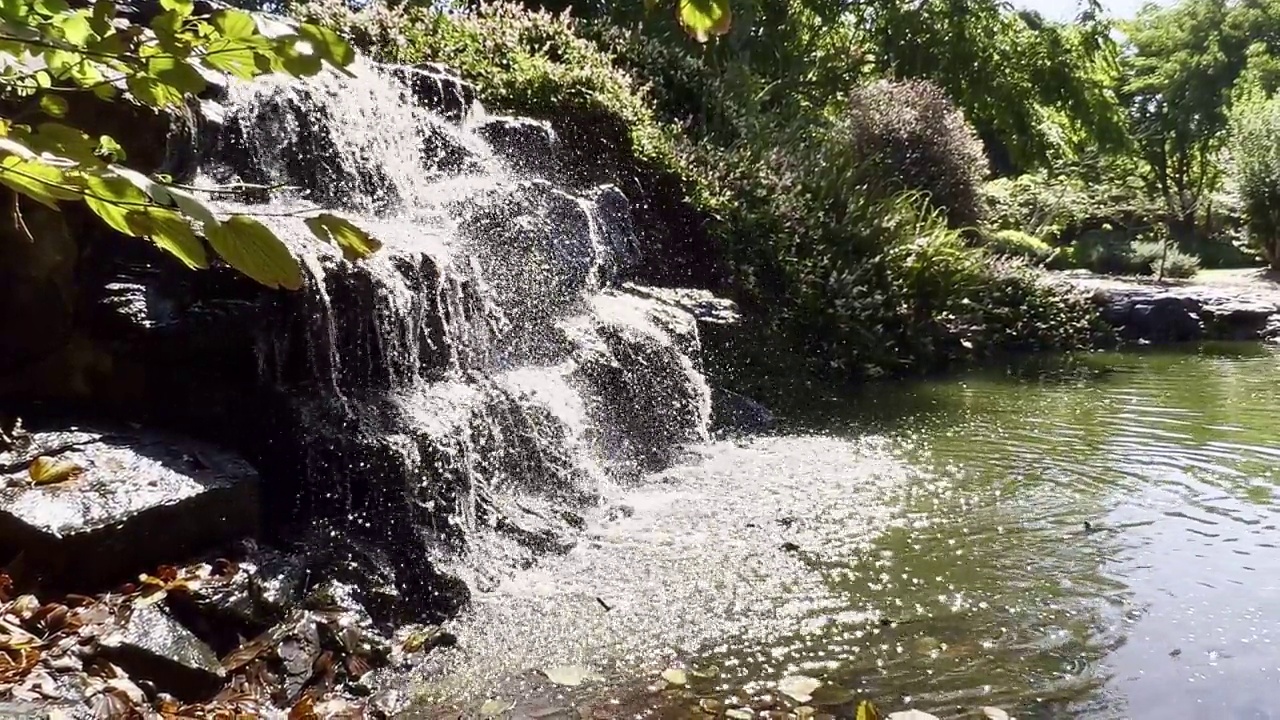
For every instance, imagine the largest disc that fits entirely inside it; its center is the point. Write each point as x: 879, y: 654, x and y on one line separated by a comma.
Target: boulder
x: 150, y: 644
x: 437, y: 87
x: 111, y: 497
x: 638, y: 358
x: 528, y: 145
x: 731, y: 412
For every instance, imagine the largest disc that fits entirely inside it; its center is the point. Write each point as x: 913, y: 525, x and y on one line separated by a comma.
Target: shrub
x: 913, y: 138
x: 866, y: 281
x: 1015, y: 243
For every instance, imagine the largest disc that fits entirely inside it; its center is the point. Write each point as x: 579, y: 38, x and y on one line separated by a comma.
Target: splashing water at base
x: 926, y: 546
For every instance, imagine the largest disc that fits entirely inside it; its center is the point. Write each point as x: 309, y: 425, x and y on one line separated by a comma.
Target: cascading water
x: 454, y: 398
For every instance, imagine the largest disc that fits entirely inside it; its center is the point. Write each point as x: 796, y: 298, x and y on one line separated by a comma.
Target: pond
x: 1092, y: 538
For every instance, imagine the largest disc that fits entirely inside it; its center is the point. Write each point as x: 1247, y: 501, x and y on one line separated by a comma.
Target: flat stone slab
x: 1146, y: 311
x: 137, y: 500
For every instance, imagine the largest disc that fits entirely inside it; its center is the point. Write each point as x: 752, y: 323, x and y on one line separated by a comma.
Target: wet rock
x: 639, y: 359
x: 738, y: 413
x: 437, y: 87
x: 245, y: 598
x: 536, y: 245
x: 538, y: 525
x: 101, y: 523
x: 617, y: 232
x: 1238, y: 320
x: 528, y: 145
x: 151, y: 644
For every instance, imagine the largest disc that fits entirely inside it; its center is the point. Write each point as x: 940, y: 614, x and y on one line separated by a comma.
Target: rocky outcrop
x: 81, y: 510
x: 1150, y: 313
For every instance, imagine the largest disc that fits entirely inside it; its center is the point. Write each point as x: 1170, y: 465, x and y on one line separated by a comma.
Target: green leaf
x: 570, y: 675
x: 250, y: 247
x: 231, y: 58
x: 64, y: 140
x: 172, y: 233
x: 183, y: 8
x: 112, y: 199
x: 191, y: 205
x: 235, y: 24
x: 675, y: 676
x: 178, y: 74
x: 76, y: 29
x: 798, y: 687
x: 50, y: 8
x: 103, y: 12
x: 109, y: 149
x: 153, y: 189
x: 327, y: 44
x: 703, y: 18
x: 40, y: 182
x: 294, y: 61
x: 53, y: 105
x: 356, y: 244
x: 153, y: 92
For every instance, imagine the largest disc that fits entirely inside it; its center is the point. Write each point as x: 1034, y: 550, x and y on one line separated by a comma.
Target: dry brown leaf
x: 304, y: 710
x: 45, y: 470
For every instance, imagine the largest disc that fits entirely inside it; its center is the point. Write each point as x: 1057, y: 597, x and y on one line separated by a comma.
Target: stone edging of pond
x: 1151, y: 313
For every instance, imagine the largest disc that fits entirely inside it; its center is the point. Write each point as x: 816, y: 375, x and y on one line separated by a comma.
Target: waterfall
x: 463, y: 393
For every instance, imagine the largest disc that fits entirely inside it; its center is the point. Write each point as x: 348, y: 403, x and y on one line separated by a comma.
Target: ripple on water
x: 955, y: 510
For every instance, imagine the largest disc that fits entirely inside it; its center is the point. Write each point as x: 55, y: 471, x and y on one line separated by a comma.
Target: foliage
x: 1017, y: 244
x: 1255, y: 150
x: 1038, y: 92
x: 867, y: 280
x: 910, y: 137
x: 58, y: 56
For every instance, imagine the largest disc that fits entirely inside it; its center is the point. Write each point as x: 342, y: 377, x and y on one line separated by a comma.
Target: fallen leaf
x: 798, y: 687
x: 675, y: 676
x: 570, y: 675
x: 739, y: 714
x: 494, y: 708
x: 995, y: 713
x: 45, y: 470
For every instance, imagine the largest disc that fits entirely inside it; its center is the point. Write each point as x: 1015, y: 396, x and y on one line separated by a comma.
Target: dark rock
x: 102, y: 526
x: 617, y: 233
x: 536, y: 245
x: 650, y: 397
x: 528, y: 145
x: 437, y: 87
x: 1238, y: 320
x: 1163, y: 320
x: 258, y: 594
x: 738, y: 413
x: 151, y: 644
x: 297, y: 647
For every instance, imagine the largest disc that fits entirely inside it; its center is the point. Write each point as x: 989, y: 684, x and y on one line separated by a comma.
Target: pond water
x: 925, y: 546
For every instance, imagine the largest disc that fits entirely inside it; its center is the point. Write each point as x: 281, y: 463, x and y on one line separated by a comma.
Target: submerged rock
x: 101, y: 517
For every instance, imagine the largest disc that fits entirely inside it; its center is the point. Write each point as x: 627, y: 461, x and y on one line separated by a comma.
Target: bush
x: 914, y: 139
x: 1147, y: 256
x: 1015, y: 243
x: 866, y: 281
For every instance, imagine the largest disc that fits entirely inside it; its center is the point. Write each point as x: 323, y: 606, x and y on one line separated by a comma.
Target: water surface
x: 925, y: 546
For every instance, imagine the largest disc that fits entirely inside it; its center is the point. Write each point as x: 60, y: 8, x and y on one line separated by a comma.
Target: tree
x: 1182, y: 65
x: 1038, y: 92
x: 53, y: 52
